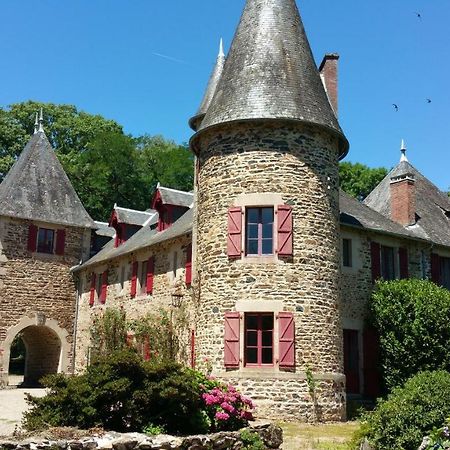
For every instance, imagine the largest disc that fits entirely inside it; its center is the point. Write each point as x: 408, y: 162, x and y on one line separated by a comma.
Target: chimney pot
x: 329, y: 73
x: 403, y: 199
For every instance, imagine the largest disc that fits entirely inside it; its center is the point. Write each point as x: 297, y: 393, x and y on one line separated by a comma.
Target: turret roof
x: 37, y: 188
x: 270, y: 72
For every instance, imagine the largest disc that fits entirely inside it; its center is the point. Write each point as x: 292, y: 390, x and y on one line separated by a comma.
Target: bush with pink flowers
x: 227, y: 408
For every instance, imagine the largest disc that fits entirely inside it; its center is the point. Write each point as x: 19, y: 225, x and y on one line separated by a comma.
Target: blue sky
x: 104, y: 56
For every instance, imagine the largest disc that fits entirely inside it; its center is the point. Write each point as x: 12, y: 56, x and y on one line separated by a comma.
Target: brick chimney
x: 329, y: 73
x: 403, y: 199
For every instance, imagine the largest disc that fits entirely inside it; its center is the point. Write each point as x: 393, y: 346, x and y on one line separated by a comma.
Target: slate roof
x: 216, y: 74
x: 175, y: 197
x: 432, y: 205
x: 134, y: 217
x: 356, y: 214
x: 144, y: 238
x: 103, y: 229
x: 270, y: 72
x: 37, y: 188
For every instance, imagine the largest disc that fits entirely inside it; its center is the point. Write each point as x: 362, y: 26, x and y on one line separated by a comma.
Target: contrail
x: 179, y: 61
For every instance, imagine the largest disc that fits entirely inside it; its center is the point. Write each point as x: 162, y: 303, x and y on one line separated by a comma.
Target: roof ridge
x: 134, y: 210
x: 176, y: 190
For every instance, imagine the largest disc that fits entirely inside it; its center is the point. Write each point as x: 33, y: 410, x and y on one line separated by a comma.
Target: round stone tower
x: 266, y: 231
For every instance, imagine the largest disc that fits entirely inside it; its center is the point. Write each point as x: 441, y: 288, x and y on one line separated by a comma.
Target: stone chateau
x: 271, y: 263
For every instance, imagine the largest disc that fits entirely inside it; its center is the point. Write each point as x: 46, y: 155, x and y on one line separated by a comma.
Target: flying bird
x: 428, y: 100
x: 395, y: 107
x: 419, y: 16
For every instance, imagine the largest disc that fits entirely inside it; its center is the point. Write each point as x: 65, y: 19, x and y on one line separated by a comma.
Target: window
x: 258, y: 339
x: 445, y: 272
x: 98, y: 285
x: 347, y: 253
x: 259, y: 231
x: 143, y: 278
x: 46, y: 240
x: 387, y: 263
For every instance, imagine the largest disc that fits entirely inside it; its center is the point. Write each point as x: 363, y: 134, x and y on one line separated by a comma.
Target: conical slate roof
x: 270, y: 72
x: 37, y: 188
x: 214, y: 79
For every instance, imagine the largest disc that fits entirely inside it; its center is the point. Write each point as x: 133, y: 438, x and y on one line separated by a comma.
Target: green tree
x: 358, y: 180
x: 412, y: 318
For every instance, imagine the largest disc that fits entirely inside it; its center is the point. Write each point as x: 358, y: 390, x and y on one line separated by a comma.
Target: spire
x: 36, y: 124
x: 214, y: 79
x: 403, y: 150
x: 270, y: 72
x: 41, y: 122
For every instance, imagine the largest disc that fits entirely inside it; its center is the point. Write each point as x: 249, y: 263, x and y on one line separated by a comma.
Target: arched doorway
x: 45, y: 345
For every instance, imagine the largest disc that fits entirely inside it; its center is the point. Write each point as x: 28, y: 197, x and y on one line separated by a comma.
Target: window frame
x: 444, y: 275
x: 142, y: 277
x: 40, y: 249
x: 383, y: 259
x: 347, y: 262
x: 259, y: 346
x: 260, y: 224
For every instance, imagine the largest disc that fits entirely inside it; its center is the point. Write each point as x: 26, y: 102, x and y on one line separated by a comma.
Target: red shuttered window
x: 46, y: 241
x: 32, y: 237
x: 376, y: 260
x: 259, y: 231
x: 92, y: 290
x: 104, y: 288
x: 134, y: 275
x: 150, y: 274
x: 188, y: 271
x: 435, y: 268
x: 404, y: 265
x: 285, y: 230
x: 232, y: 340
x: 234, y: 244
x: 286, y: 340
x: 258, y: 339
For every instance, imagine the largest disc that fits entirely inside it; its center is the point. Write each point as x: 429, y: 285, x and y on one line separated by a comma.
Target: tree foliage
x: 105, y: 165
x: 413, y: 321
x: 408, y: 414
x: 358, y: 180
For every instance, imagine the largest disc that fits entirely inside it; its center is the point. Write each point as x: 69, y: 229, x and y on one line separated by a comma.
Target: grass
x: 332, y: 436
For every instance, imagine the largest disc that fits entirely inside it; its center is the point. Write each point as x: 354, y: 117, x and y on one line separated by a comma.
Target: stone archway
x: 47, y: 349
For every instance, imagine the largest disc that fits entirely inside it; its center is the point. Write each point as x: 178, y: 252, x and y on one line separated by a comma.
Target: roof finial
x: 221, y: 52
x: 403, y: 150
x: 41, y: 122
x: 36, y: 123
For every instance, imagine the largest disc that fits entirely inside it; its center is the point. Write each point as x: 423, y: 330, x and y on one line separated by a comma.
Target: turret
x: 266, y: 236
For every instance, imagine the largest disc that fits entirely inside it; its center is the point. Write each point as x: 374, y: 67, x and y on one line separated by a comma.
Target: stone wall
x: 37, y: 290
x: 167, y: 282
x: 299, y: 164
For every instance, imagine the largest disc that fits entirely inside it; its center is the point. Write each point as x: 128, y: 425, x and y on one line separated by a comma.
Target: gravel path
x: 12, y: 406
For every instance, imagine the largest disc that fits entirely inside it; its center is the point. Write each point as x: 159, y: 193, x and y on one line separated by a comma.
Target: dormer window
x: 46, y: 241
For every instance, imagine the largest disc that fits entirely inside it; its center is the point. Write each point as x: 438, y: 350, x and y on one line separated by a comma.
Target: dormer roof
x: 270, y: 72
x: 37, y: 188
x: 174, y: 197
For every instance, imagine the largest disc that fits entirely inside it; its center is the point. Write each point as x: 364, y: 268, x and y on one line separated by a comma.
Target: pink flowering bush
x: 226, y: 407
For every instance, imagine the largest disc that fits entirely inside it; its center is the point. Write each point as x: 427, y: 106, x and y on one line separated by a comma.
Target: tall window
x: 259, y: 231
x: 387, y: 263
x: 258, y: 339
x: 143, y: 278
x: 347, y: 253
x: 445, y: 272
x: 46, y: 240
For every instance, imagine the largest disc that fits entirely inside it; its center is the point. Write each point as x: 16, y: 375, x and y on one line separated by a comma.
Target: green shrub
x: 251, y: 440
x: 409, y: 413
x: 122, y: 393
x: 413, y: 321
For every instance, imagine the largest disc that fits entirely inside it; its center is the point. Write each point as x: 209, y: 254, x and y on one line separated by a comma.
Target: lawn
x: 333, y: 436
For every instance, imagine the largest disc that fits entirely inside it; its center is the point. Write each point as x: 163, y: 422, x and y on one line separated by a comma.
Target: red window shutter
x: 403, y: 257
x: 188, y: 271
x: 285, y: 230
x: 32, y: 237
x: 376, y: 260
x: 232, y: 339
x: 104, y: 290
x: 92, y: 290
x: 134, y: 279
x: 286, y: 340
x: 234, y: 245
x: 60, y: 241
x: 150, y: 274
x: 435, y: 268
x: 372, y: 378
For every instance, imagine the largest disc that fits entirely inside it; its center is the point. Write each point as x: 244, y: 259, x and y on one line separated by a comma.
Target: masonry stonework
x: 299, y: 163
